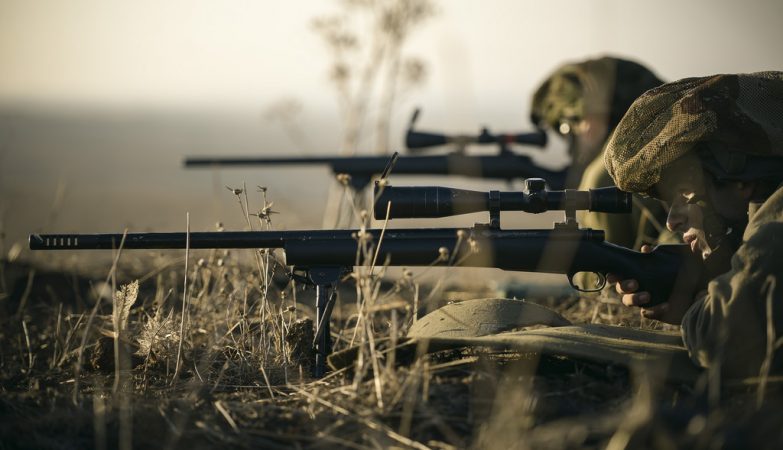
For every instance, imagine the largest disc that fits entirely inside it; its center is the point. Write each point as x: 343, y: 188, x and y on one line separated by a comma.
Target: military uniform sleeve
x: 730, y: 325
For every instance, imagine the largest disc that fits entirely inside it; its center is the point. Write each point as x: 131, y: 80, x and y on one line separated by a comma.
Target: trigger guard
x: 602, y: 277
x: 598, y: 288
x: 571, y: 281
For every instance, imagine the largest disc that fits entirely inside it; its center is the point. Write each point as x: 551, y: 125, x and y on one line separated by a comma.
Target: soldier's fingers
x: 656, y: 312
x: 637, y: 299
x: 626, y: 287
x: 646, y: 248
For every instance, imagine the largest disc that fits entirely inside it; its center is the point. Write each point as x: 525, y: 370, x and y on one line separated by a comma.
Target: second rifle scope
x: 436, y: 201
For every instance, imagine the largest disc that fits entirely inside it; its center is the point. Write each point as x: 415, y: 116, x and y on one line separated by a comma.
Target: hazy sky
x: 101, y: 99
x: 230, y: 54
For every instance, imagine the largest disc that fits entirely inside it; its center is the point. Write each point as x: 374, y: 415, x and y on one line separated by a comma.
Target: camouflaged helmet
x: 606, y: 86
x: 733, y: 123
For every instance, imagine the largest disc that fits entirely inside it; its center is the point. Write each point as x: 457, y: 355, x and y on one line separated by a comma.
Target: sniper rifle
x: 324, y: 256
x: 506, y: 165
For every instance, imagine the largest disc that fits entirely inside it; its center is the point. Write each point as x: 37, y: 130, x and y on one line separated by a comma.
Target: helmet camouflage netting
x: 728, y: 115
x: 604, y: 86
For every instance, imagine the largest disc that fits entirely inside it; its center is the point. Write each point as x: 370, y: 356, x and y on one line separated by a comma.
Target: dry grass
x: 217, y: 353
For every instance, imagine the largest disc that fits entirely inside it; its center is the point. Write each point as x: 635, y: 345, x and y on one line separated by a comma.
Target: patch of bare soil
x: 228, y: 366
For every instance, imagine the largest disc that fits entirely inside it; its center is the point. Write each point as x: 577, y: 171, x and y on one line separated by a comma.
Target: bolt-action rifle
x: 505, y: 165
x: 324, y: 256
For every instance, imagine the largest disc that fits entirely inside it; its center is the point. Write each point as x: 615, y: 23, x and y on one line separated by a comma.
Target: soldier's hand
x: 670, y: 311
x: 627, y: 288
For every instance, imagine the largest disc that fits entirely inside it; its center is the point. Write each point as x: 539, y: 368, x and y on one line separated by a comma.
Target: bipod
x: 324, y: 279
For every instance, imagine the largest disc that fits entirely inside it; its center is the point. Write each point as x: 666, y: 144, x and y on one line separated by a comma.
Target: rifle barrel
x: 564, y: 251
x: 209, y: 161
x: 209, y: 239
x: 505, y: 167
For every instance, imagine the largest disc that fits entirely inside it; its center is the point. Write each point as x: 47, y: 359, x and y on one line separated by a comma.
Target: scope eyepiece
x: 610, y: 200
x: 436, y: 201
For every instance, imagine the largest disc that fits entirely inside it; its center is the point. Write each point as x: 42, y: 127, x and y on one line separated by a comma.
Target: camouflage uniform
x: 602, y: 88
x: 734, y: 125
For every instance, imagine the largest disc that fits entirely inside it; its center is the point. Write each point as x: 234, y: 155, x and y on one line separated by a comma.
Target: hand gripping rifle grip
x: 662, y: 276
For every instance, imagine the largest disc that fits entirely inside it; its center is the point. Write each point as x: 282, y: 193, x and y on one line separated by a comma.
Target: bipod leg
x: 324, y: 280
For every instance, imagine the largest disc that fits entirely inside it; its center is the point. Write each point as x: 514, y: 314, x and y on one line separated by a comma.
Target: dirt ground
x: 81, y: 368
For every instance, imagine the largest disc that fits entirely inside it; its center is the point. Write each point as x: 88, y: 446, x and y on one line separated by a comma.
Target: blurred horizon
x: 101, y: 101
x: 146, y: 56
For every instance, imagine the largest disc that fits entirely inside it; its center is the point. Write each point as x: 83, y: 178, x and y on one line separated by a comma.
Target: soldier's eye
x: 569, y: 125
x: 695, y: 199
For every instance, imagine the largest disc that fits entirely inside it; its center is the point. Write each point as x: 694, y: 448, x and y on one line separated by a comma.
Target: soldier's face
x: 686, y: 216
x: 705, y: 213
x: 587, y: 137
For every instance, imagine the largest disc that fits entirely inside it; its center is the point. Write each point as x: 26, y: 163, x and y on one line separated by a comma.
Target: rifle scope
x: 436, y: 201
x: 418, y: 140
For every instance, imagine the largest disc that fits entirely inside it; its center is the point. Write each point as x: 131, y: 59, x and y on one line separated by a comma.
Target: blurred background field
x: 100, y: 101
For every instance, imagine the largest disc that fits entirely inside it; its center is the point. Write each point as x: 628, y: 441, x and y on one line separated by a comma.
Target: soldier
x: 713, y: 148
x: 584, y: 102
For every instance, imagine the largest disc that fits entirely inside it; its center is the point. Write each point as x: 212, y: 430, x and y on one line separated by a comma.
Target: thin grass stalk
x: 380, y: 238
x: 29, y: 348
x: 391, y: 358
x: 25, y: 294
x: 121, y: 359
x: 403, y: 387
x: 376, y: 368
x: 361, y: 297
x: 57, y: 337
x: 226, y: 415
x: 369, y: 333
x: 415, y: 302
x: 184, y: 300
x: 88, y: 326
x: 71, y: 333
x: 409, y: 405
x: 268, y: 384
